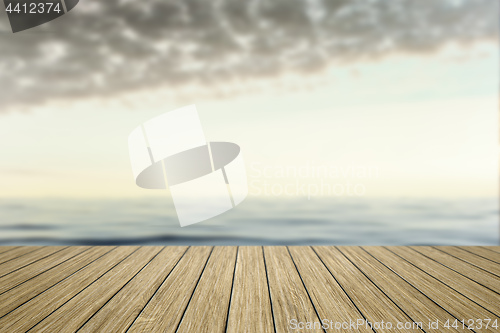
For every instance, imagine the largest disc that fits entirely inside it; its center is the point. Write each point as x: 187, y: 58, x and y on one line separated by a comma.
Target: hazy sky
x: 408, y: 88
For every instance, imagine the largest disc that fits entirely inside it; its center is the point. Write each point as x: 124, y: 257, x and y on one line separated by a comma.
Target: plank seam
x: 456, y: 270
x: 232, y: 287
x: 156, y: 291
x: 341, y: 287
x: 493, y: 261
x: 62, y: 262
x: 55, y: 284
x: 305, y: 288
x: 470, y: 263
x: 48, y: 255
x: 86, y: 321
x: 15, y: 247
x: 19, y: 256
x: 268, y: 288
x: 194, y: 290
x: 83, y: 289
x: 489, y: 249
x: 458, y: 292
x: 386, y: 295
x: 433, y: 301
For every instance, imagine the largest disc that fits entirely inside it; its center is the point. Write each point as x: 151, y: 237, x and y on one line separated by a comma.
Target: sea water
x: 256, y: 221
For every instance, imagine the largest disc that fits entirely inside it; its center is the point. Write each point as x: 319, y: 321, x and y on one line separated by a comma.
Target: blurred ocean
x: 257, y: 221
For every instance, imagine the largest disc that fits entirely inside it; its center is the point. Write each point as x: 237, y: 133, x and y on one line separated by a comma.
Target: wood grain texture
x: 415, y: 304
x: 20, y: 259
x: 330, y: 300
x: 371, y: 302
x: 483, y: 252
x: 164, y: 311
x: 448, y: 298
x: 208, y: 308
x: 289, y: 298
x: 130, y: 301
x: 458, y: 282
x: 250, y: 310
x: 85, y: 304
x: 11, y: 254
x: 461, y: 268
x: 473, y: 259
x: 19, y: 276
x: 244, y: 289
x: 493, y: 248
x: 4, y: 249
x: 33, y: 287
x: 30, y: 313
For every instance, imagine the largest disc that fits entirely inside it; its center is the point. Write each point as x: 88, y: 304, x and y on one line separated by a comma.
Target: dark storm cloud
x: 111, y: 46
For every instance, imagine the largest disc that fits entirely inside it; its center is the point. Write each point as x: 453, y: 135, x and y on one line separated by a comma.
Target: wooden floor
x: 249, y: 289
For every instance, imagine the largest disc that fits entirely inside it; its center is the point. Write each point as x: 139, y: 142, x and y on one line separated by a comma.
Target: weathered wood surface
x: 249, y: 289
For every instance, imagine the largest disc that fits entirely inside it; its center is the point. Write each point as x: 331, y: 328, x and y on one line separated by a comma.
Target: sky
x: 407, y: 90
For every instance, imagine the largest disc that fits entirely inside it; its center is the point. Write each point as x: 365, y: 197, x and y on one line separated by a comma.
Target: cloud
x: 116, y: 46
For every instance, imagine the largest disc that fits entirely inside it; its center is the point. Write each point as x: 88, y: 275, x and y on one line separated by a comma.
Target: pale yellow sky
x: 428, y: 124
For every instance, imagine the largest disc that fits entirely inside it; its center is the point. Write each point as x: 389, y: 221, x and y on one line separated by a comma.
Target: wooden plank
x: 289, y: 298
x: 375, y: 306
x: 30, y: 313
x: 250, y: 309
x: 207, y: 310
x: 329, y: 299
x: 458, y: 305
x: 17, y: 254
x: 490, y: 281
x: 473, y: 259
x: 493, y: 248
x: 4, y: 249
x: 470, y: 289
x: 81, y: 307
x: 15, y: 297
x: 485, y: 253
x: 410, y: 300
x: 164, y: 310
x: 129, y: 302
x: 27, y: 272
x: 244, y: 289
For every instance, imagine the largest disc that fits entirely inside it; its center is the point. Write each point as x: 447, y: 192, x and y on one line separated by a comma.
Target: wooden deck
x: 249, y: 289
